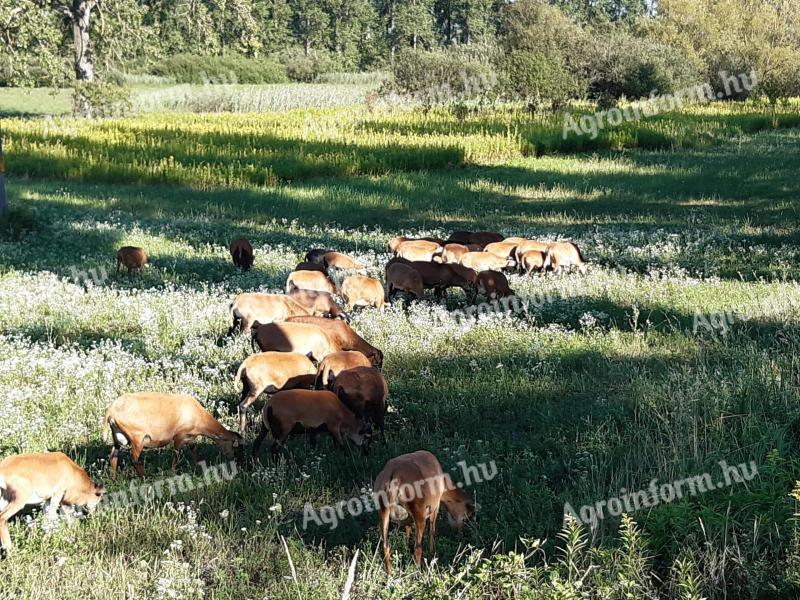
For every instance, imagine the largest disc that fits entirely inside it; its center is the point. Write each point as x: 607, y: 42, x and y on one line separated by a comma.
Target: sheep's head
x: 376, y: 358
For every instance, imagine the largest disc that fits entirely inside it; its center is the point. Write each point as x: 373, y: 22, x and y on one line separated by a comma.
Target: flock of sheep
x: 322, y: 376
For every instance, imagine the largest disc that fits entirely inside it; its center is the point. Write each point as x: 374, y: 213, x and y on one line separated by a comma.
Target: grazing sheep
x: 309, y: 280
x: 358, y: 290
x: 271, y: 372
x: 320, y: 304
x: 242, y: 253
x: 409, y: 490
x: 484, y: 261
x: 504, y: 249
x: 133, y: 258
x: 392, y: 244
x: 317, y: 255
x: 493, y: 284
x: 419, y: 250
x: 310, y: 266
x: 532, y: 260
x: 440, y: 277
x: 526, y: 246
x: 481, y: 238
x: 514, y: 240
x: 303, y: 338
x: 294, y: 412
x: 343, y: 337
x: 564, y: 256
x: 364, y: 391
x: 52, y: 477
x: 249, y: 307
x: 337, y: 260
x: 154, y: 420
x: 335, y: 363
x: 400, y: 277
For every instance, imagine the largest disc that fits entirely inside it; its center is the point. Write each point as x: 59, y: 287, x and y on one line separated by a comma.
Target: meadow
x: 605, y: 386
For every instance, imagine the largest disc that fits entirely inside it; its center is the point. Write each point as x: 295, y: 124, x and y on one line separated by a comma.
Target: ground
x: 677, y: 350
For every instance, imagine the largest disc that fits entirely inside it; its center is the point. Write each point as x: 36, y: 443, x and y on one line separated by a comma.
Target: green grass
x: 604, y: 388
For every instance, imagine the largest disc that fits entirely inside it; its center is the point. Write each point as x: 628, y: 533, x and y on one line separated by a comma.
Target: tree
x: 414, y: 23
x: 31, y: 36
x: 78, y: 14
x: 310, y: 23
x: 274, y: 19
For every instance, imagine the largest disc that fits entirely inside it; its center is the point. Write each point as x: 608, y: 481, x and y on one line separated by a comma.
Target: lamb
x: 242, y: 253
x: 400, y: 277
x: 338, y: 260
x: 564, y: 255
x: 358, y: 290
x: 532, y: 260
x: 484, y: 261
x: 493, y: 284
x: 132, y: 257
x: 52, y: 477
x: 335, y: 363
x: 526, y: 246
x: 154, y: 420
x: 342, y: 337
x: 364, y: 391
x: 303, y: 338
x: 249, y: 307
x: 409, y: 490
x: 271, y: 372
x: 293, y: 412
x: 320, y: 304
x: 309, y: 280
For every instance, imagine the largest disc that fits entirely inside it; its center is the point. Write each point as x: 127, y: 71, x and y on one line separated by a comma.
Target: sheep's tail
x: 238, y: 378
x: 547, y: 260
x: 107, y: 426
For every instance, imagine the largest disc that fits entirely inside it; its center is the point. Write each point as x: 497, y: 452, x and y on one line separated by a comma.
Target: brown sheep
x: 310, y: 266
x: 242, y: 253
x: 364, y: 391
x: 400, y: 277
x: 50, y: 477
x: 481, y: 238
x: 294, y: 412
x: 563, y: 256
x: 532, y: 260
x: 419, y: 250
x: 133, y: 258
x: 440, y: 277
x: 421, y: 473
x: 309, y: 280
x: 337, y: 260
x: 271, y: 372
x: 452, y: 253
x: 358, y: 290
x: 343, y: 337
x: 493, y: 284
x: 320, y: 304
x: 504, y: 249
x: 303, y: 338
x: 484, y: 261
x: 335, y: 363
x: 249, y: 307
x: 528, y: 245
x: 154, y: 420
x: 317, y: 255
x: 393, y: 243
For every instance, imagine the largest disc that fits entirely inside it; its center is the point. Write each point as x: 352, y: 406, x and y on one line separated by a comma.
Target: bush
x: 307, y: 67
x: 100, y: 99
x: 537, y: 79
x: 440, y: 77
x: 228, y: 69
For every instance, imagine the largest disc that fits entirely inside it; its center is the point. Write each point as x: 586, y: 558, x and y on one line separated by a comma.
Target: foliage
x: 307, y: 67
x: 100, y: 99
x: 227, y: 69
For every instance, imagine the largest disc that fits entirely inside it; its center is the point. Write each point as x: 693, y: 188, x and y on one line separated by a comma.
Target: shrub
x: 100, y: 99
x: 307, y: 67
x: 537, y: 79
x: 227, y: 69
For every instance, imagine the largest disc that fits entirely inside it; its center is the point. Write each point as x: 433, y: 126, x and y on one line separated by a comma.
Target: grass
x: 604, y: 387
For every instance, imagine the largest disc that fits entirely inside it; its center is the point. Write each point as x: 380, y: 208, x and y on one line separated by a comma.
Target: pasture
x: 603, y: 383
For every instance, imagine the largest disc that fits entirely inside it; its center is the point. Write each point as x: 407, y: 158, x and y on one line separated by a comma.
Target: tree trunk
x: 80, y: 14
x: 3, y: 208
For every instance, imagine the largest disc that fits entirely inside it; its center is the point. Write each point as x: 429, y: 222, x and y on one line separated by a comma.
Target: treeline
x: 541, y: 51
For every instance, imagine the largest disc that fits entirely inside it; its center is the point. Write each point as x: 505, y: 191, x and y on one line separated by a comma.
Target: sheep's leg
x: 114, y: 459
x: 432, y: 531
x: 387, y: 556
x: 136, y: 451
x: 5, y: 537
x: 119, y: 265
x: 408, y: 535
x: 245, y: 407
x: 419, y: 531
x: 259, y: 440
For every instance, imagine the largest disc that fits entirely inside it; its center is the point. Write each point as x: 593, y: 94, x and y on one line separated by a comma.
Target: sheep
x: 309, y: 280
x: 335, y: 363
x: 484, y: 261
x: 342, y: 337
x: 564, y: 255
x: 481, y: 238
x: 310, y: 266
x: 364, y: 391
x: 317, y: 255
x: 52, y: 477
x: 392, y: 244
x: 504, y: 249
x: 293, y: 412
x: 514, y: 240
x: 493, y: 284
x: 242, y: 253
x: 337, y: 260
x: 271, y: 372
x: 452, y: 253
x: 400, y: 277
x: 526, y: 246
x: 154, y: 420
x: 532, y: 260
x: 249, y: 307
x: 358, y: 290
x: 320, y: 304
x: 303, y: 338
x: 419, y: 250
x: 409, y: 490
x: 133, y: 258
x: 440, y: 276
